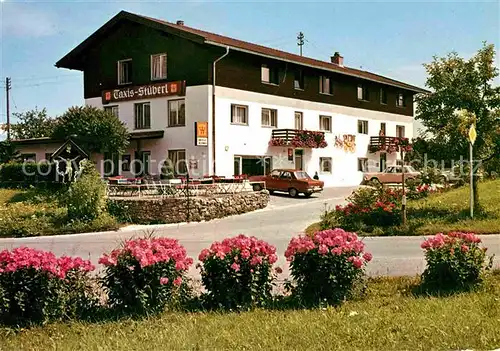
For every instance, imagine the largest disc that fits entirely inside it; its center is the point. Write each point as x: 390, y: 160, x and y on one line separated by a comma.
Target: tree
x: 460, y: 85
x: 8, y: 152
x: 32, y: 124
x: 93, y: 129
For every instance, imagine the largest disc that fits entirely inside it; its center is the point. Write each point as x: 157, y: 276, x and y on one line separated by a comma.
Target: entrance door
x: 383, y: 161
x: 299, y: 160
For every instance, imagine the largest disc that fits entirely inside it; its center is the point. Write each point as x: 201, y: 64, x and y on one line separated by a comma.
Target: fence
x: 160, y: 189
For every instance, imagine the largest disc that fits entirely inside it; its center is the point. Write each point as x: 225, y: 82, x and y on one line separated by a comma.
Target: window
x: 286, y: 175
x: 298, y: 81
x: 126, y: 163
x: 269, y: 74
x: 325, y: 164
x: 125, y: 71
x: 113, y: 110
x: 146, y: 161
x: 28, y: 157
x: 325, y: 123
x: 382, y: 129
x: 383, y: 96
x: 269, y: 117
x: 176, y: 113
x: 400, y: 131
x: 178, y: 159
x: 239, y: 114
x: 363, y: 93
x: 299, y: 120
x: 142, y: 116
x: 400, y: 101
x: 325, y: 85
x: 252, y: 165
x: 110, y: 164
x: 158, y: 66
x: 362, y: 127
x: 363, y: 164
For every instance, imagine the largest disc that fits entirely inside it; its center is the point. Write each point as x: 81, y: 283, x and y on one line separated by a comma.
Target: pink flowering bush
x: 143, y: 275
x: 37, y: 287
x: 303, y: 138
x: 237, y: 272
x: 326, y: 266
x: 454, y: 261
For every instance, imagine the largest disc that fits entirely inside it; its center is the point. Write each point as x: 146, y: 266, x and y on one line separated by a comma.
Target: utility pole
x: 300, y: 41
x: 7, y: 89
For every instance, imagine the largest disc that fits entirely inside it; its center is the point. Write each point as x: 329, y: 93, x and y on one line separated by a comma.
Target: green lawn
x: 447, y: 211
x: 35, y: 212
x: 389, y: 317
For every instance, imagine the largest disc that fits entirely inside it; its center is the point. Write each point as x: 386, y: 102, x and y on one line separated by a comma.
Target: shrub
x: 326, y: 267
x: 86, y: 197
x: 37, y: 287
x: 237, y: 272
x: 24, y: 175
x: 454, y: 261
x: 366, y: 207
x: 143, y: 275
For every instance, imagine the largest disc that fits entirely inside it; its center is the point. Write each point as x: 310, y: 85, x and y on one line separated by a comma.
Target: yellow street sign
x: 472, y: 134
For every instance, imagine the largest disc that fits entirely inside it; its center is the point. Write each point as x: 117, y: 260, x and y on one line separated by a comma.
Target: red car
x: 292, y: 181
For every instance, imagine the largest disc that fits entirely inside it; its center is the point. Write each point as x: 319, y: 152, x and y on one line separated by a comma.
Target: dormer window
x: 269, y: 74
x: 298, y: 81
x: 158, y: 66
x: 125, y: 71
x: 325, y: 85
x: 363, y: 94
x: 400, y: 100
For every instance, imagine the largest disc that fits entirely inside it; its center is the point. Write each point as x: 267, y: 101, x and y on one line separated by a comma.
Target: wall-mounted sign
x: 144, y: 92
x: 201, y: 133
x: 346, y: 142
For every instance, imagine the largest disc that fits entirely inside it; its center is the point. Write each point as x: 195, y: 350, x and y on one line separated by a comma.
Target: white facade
x: 252, y: 140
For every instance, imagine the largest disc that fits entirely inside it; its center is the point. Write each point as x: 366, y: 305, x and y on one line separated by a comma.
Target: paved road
x: 283, y: 218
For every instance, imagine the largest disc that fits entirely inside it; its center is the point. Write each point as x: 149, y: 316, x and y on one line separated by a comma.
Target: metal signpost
x: 472, y: 139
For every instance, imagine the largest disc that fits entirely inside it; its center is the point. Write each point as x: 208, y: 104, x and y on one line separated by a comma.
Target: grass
x: 388, y: 317
x: 35, y: 212
x: 445, y: 212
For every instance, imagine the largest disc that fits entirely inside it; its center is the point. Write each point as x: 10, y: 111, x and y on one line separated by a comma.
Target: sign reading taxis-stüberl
x: 148, y: 91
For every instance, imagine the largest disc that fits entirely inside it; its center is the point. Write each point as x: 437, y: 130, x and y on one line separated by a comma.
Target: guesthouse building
x: 215, y: 105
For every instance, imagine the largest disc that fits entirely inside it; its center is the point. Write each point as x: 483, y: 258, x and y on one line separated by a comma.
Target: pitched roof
x: 235, y: 44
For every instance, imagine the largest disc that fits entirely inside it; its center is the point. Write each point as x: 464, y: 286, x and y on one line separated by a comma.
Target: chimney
x: 337, y: 59
x: 180, y: 23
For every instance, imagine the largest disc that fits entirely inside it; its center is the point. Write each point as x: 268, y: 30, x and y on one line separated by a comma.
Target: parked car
x: 292, y: 181
x: 392, y: 174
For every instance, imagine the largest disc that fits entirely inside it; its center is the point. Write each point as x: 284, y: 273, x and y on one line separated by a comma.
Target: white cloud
x: 24, y: 20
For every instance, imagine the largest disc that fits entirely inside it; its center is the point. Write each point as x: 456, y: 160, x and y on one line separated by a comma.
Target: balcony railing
x: 298, y: 138
x: 388, y: 144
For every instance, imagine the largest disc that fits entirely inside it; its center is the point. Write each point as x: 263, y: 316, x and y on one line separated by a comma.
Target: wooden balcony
x: 376, y: 141
x: 298, y: 138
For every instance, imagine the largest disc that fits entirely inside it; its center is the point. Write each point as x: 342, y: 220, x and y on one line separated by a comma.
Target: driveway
x: 284, y: 218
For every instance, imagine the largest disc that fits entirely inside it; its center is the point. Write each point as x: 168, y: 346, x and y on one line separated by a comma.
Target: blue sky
x: 389, y: 38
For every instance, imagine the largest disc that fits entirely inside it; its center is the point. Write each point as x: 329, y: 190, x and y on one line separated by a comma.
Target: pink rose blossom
x: 163, y: 281
x: 367, y: 256
x: 235, y: 267
x: 178, y: 281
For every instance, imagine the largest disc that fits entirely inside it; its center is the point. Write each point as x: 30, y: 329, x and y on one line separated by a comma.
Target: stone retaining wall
x: 144, y: 210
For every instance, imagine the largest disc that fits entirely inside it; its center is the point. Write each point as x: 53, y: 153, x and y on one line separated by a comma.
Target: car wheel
x: 308, y: 194
x: 293, y: 192
x: 257, y: 187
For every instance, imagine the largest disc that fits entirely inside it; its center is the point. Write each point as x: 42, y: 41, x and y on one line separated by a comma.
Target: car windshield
x: 302, y: 175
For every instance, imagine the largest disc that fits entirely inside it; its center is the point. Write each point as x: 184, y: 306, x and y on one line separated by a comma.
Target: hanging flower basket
x: 303, y: 138
x: 398, y: 144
